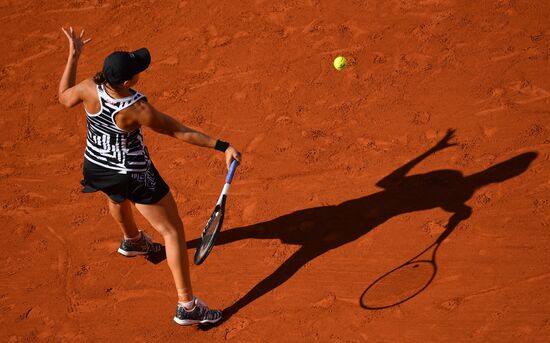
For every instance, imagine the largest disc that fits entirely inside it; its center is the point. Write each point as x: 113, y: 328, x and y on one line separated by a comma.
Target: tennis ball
x: 340, y: 62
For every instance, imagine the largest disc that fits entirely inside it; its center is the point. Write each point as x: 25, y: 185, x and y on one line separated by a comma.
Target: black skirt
x: 145, y: 187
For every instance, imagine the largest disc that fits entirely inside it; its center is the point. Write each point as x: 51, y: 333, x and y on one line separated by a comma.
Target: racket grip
x: 231, y: 171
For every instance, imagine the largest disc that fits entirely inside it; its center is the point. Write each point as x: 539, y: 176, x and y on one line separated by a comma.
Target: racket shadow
x: 321, y: 229
x: 395, y: 287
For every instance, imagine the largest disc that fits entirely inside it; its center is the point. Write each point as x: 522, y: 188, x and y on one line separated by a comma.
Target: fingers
x: 450, y: 132
x: 73, y: 38
x: 69, y: 33
x: 232, y: 158
x: 237, y: 156
x: 66, y: 33
x: 449, y: 135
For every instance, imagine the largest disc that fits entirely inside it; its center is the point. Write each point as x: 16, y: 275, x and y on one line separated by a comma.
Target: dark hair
x: 100, y: 79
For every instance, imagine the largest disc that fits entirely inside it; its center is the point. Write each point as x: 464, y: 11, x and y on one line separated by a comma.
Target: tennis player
x: 117, y: 162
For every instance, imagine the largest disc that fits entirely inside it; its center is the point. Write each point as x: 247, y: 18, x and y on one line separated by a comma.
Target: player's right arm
x: 144, y: 114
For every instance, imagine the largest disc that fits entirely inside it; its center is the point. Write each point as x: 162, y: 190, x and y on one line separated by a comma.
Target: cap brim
x: 143, y: 59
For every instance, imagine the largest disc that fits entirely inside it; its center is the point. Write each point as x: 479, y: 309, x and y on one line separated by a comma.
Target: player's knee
x: 170, y: 230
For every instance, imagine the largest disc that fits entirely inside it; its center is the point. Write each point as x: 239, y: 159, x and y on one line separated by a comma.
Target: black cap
x: 121, y: 66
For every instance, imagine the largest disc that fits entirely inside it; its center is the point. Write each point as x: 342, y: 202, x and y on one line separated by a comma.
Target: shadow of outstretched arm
x: 398, y: 175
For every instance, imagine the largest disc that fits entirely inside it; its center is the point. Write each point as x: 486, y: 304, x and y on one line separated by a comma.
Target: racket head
x: 210, y: 232
x: 399, y: 285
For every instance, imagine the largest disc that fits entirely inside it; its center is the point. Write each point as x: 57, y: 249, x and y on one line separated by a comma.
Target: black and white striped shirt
x: 108, y: 145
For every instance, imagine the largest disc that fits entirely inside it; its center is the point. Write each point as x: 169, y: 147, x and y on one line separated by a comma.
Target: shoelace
x: 200, y: 303
x: 151, y: 246
x: 205, y: 311
x: 146, y: 237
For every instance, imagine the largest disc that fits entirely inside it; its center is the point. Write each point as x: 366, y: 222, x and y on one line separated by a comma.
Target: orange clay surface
x: 316, y: 213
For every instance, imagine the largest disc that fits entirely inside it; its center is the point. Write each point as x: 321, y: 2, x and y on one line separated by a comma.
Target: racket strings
x: 209, y: 235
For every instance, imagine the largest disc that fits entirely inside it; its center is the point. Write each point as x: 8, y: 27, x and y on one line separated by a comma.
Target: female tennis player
x: 117, y: 162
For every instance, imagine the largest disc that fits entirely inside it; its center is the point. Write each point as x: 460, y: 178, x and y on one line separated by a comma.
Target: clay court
x: 342, y: 177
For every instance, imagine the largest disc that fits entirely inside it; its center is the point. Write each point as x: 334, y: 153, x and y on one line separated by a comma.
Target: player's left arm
x: 69, y: 93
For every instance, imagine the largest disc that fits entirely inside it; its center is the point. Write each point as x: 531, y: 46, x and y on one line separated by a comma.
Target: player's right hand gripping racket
x: 214, y: 224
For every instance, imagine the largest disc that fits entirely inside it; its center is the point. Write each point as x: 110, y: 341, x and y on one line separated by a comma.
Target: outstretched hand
x: 76, y: 42
x: 444, y: 142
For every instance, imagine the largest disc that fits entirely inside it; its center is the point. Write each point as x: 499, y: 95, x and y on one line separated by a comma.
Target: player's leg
x: 122, y: 214
x: 164, y: 217
x: 135, y: 241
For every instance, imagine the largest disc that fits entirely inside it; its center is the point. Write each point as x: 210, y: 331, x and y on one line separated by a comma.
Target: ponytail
x: 99, y: 78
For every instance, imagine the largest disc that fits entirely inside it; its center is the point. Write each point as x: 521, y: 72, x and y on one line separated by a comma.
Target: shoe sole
x: 186, y: 322
x: 131, y: 253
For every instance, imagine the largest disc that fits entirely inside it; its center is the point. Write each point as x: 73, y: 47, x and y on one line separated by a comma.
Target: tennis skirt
x: 145, y: 187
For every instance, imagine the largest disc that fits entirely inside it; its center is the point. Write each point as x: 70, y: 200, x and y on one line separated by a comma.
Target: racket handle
x: 231, y: 171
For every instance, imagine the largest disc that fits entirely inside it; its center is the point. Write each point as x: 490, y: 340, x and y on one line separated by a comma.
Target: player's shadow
x: 320, y: 229
x: 158, y: 257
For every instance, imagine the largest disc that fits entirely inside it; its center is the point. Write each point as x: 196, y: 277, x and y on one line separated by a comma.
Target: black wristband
x: 221, y: 145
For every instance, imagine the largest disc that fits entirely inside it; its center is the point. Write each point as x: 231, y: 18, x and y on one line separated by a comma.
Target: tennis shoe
x: 200, y: 314
x: 142, y: 246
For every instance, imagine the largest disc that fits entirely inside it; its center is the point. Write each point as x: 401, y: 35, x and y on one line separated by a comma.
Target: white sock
x: 137, y: 238
x: 189, y: 305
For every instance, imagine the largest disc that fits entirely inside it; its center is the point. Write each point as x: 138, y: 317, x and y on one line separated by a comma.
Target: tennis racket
x: 214, y: 224
x: 404, y: 282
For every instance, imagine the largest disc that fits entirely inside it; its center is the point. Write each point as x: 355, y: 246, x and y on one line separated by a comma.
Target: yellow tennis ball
x: 340, y: 62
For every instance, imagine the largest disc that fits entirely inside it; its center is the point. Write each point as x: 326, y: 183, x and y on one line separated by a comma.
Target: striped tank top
x: 108, y: 145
